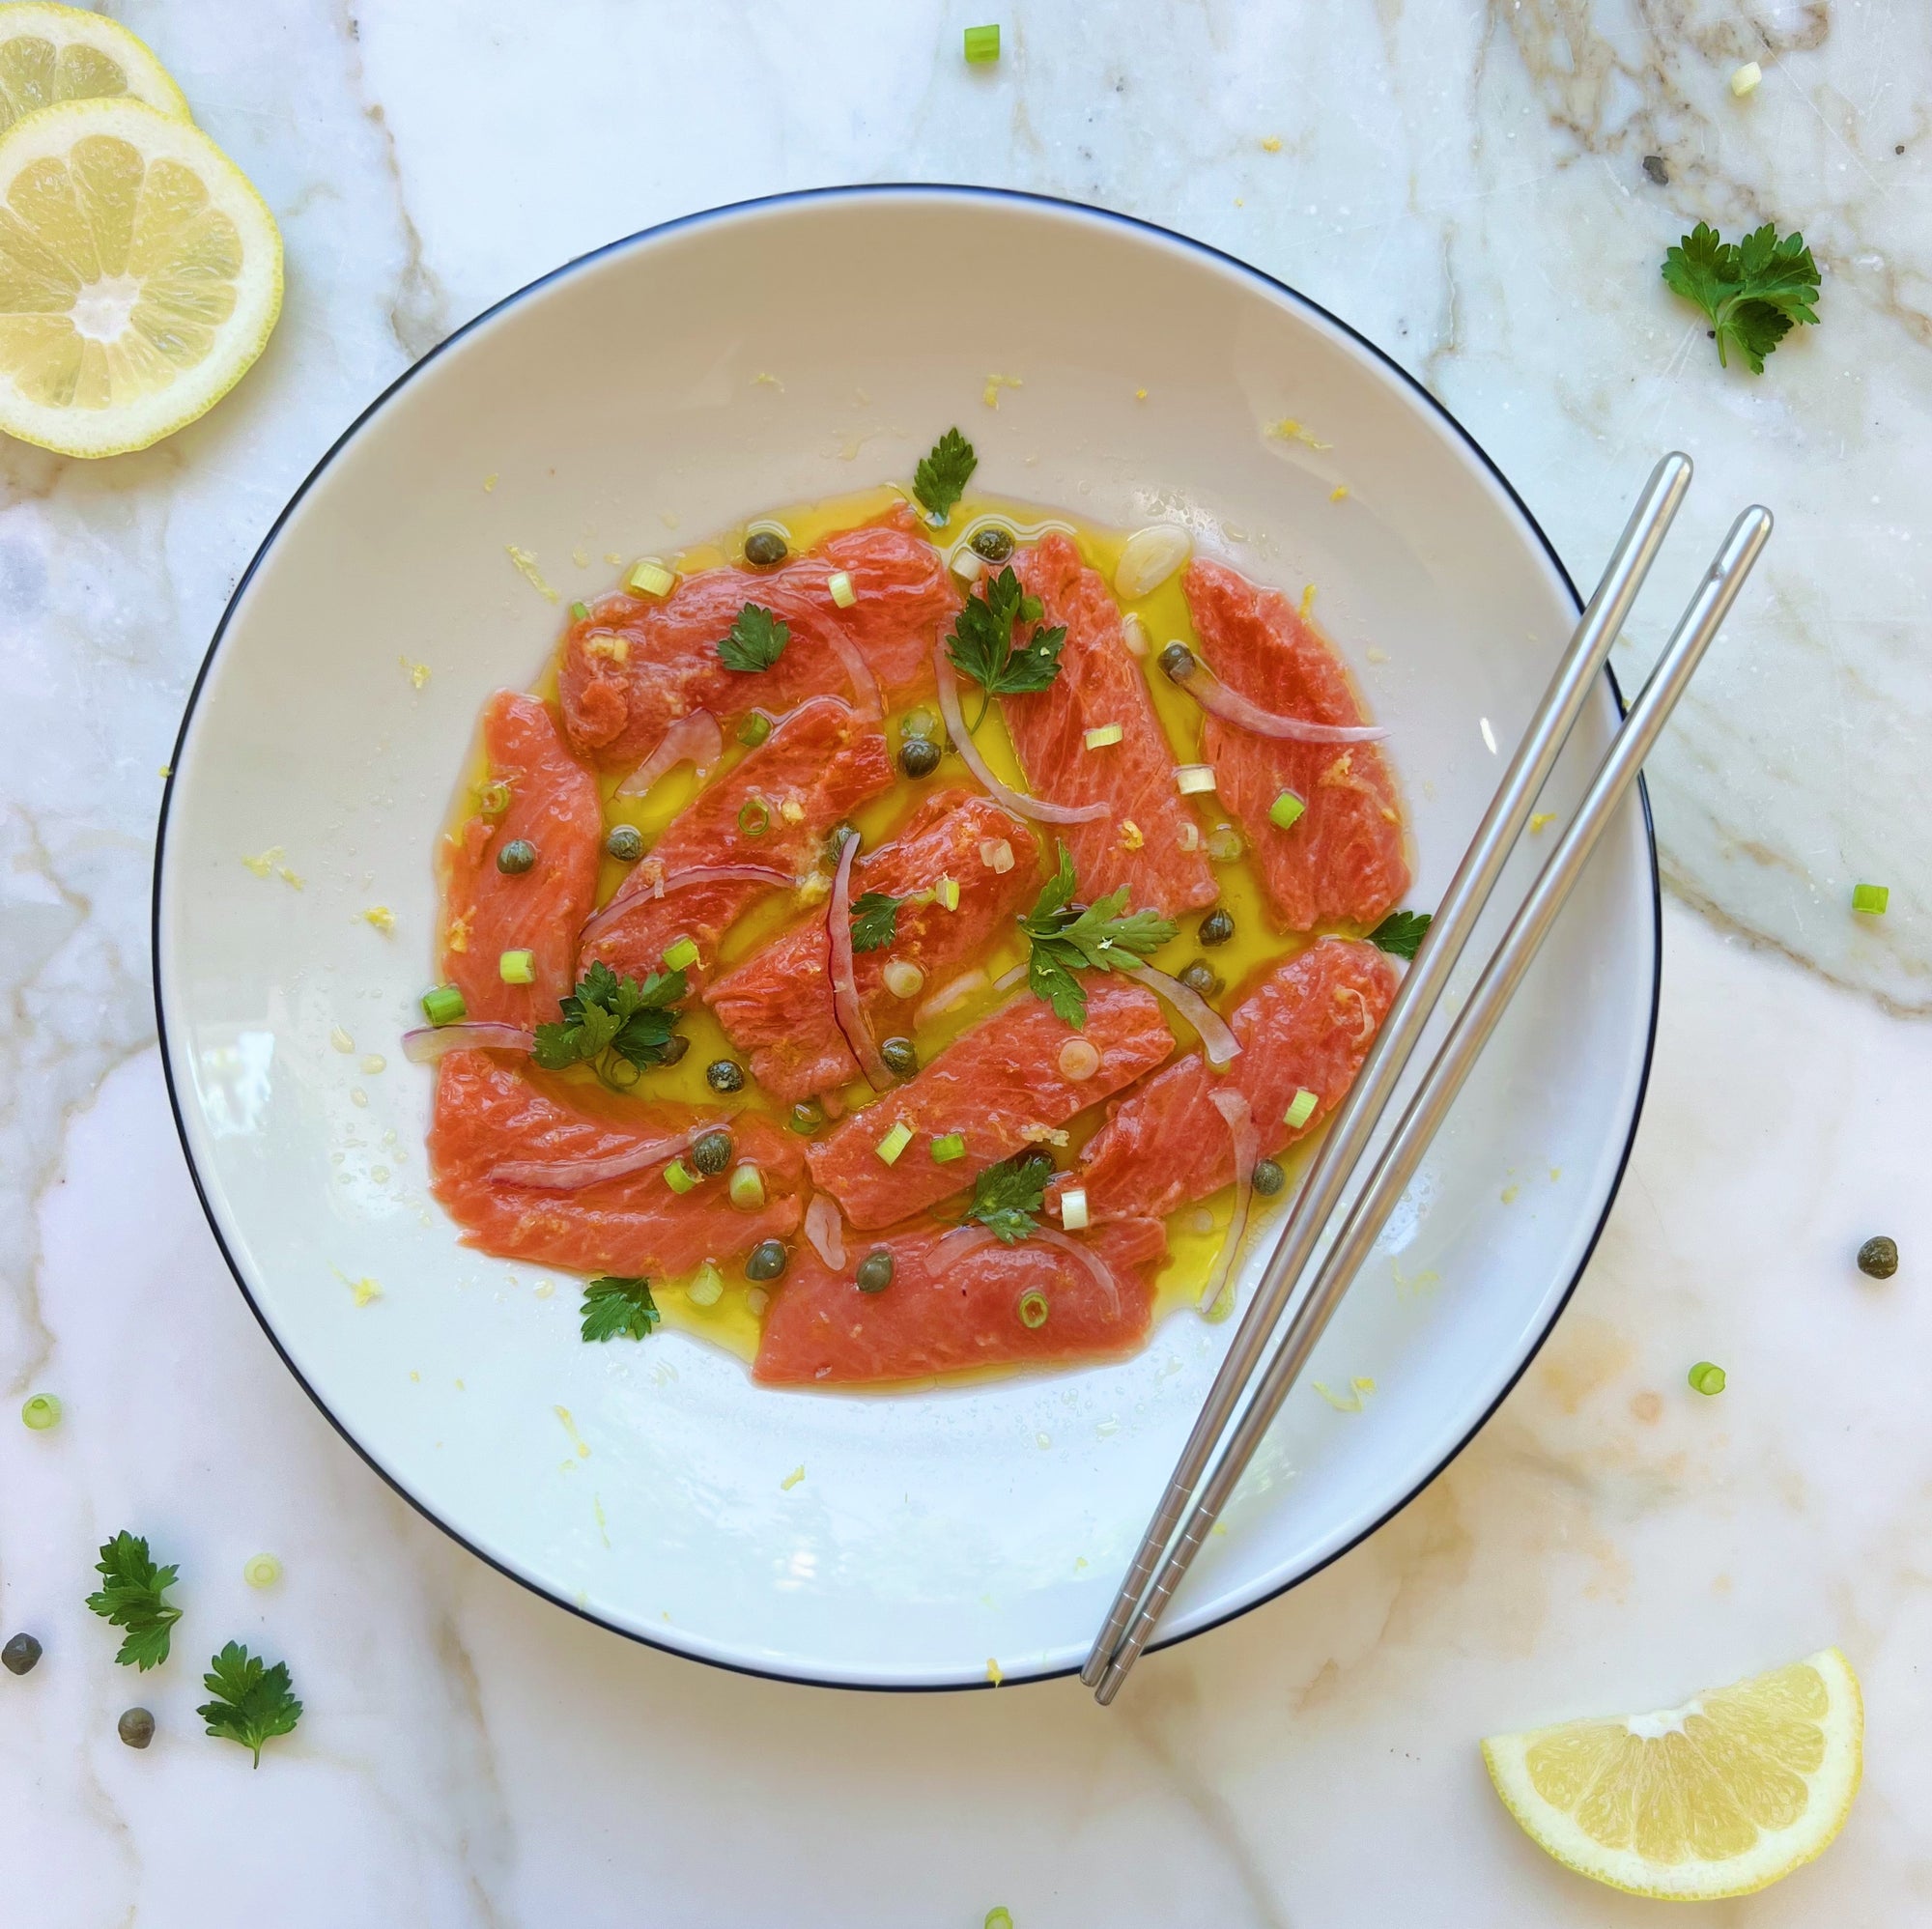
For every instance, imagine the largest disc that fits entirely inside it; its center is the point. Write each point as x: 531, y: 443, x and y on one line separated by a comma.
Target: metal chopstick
x: 1455, y: 915
x: 1446, y: 1075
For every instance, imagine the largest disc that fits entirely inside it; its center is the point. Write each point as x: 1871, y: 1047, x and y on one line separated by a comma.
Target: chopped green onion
x: 1284, y: 810
x: 42, y: 1411
x: 650, y: 578
x: 1073, y: 1209
x: 1194, y: 779
x: 754, y: 819
x: 1707, y: 1379
x: 1033, y: 1307
x: 679, y: 1176
x: 707, y: 1286
x: 982, y: 48
x: 1871, y: 898
x: 755, y: 729
x: 682, y: 953
x: 839, y: 586
x: 1300, y: 1109
x: 1099, y: 738
x: 748, y: 1188
x: 948, y: 894
x: 493, y: 799
x: 1224, y: 847
x: 444, y: 1005
x: 517, y: 967
x: 579, y: 611
x: 894, y: 1143
x: 948, y: 1147
x: 262, y: 1570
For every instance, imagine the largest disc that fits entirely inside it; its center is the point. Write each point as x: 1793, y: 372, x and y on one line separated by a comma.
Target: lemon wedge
x: 48, y: 54
x: 140, y: 274
x: 1720, y: 1797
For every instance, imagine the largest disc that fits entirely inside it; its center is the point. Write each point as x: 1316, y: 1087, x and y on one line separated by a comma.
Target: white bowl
x: 932, y: 1532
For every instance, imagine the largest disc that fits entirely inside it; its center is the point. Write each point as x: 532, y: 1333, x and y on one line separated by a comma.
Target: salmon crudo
x: 910, y: 936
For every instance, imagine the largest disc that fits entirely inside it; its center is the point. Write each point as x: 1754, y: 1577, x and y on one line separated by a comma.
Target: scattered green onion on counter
x: 1871, y: 898
x: 1706, y: 1379
x: 982, y: 48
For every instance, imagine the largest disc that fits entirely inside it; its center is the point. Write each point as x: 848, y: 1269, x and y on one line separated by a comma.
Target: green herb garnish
x: 1755, y: 291
x: 982, y: 644
x: 135, y: 1597
x: 1066, y: 940
x: 252, y: 1702
x: 1400, y: 933
x: 618, y: 1306
x: 756, y: 640
x: 609, y: 1017
x: 875, y: 920
x: 940, y: 480
x: 1007, y: 1196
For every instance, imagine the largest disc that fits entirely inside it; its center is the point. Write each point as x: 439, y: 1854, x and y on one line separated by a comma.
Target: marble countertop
x: 1465, y: 185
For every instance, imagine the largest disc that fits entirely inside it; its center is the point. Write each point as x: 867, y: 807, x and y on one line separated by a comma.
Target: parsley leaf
x: 613, y: 1306
x: 610, y: 1017
x: 1400, y: 933
x: 982, y: 644
x: 252, y: 1702
x: 1067, y: 939
x: 1007, y: 1196
x: 135, y: 1599
x: 757, y: 641
x: 875, y: 920
x: 941, y: 477
x: 1755, y: 291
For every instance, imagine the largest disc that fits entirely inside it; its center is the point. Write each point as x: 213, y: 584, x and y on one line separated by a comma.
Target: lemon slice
x: 140, y: 275
x: 48, y: 54
x: 1733, y: 1790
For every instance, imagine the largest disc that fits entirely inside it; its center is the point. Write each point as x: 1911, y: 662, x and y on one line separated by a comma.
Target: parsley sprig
x: 875, y: 920
x: 1400, y: 933
x: 1755, y: 291
x: 614, y: 1307
x: 1007, y: 1196
x: 610, y: 1021
x: 982, y: 645
x: 252, y: 1701
x: 756, y: 640
x: 940, y: 480
x: 1067, y: 939
x: 135, y: 1599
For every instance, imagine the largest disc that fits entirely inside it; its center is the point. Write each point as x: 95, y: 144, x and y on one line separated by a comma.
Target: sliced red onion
x: 845, y: 1006
x: 826, y: 1231
x: 948, y: 995
x: 1007, y: 980
x: 1232, y: 707
x: 1088, y: 1258
x: 1216, y: 1041
x: 957, y: 1244
x: 865, y: 684
x: 696, y: 740
x: 1036, y: 808
x: 428, y: 1042
x: 1233, y: 1108
x: 574, y: 1174
x: 661, y: 885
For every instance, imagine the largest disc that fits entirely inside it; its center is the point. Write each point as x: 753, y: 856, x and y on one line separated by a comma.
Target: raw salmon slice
x: 1100, y: 683
x: 1307, y: 1025
x: 941, y: 1314
x: 816, y: 767
x: 636, y: 663
x: 776, y: 1005
x: 1343, y: 861
x: 490, y: 1112
x: 1000, y: 1086
x: 554, y: 805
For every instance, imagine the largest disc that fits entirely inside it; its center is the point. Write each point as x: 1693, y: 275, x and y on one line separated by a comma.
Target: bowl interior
x: 670, y: 385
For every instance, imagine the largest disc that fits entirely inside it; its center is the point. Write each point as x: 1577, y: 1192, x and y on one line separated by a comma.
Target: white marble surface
x: 1465, y: 186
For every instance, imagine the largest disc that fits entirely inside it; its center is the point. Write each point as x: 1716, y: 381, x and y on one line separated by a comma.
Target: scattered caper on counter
x: 1200, y: 976
x: 919, y: 756
x: 136, y: 1727
x: 765, y: 549
x: 901, y: 1057
x: 1217, y: 927
x: 516, y: 857
x: 767, y: 1260
x: 20, y: 1655
x: 725, y: 1075
x: 1268, y: 1179
x: 1878, y: 1258
x: 625, y: 843
x: 993, y: 543
x: 875, y: 1272
x: 712, y: 1152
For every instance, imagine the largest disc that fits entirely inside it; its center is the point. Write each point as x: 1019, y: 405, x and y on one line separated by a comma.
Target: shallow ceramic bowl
x: 634, y: 392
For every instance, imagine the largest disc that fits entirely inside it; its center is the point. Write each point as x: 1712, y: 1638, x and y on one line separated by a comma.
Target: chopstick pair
x: 1215, y: 1457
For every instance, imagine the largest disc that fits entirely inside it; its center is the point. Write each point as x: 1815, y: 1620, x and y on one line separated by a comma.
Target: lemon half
x: 140, y: 275
x: 49, y: 54
x: 1721, y: 1797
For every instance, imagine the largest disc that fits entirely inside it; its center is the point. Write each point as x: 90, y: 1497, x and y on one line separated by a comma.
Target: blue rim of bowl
x: 869, y: 191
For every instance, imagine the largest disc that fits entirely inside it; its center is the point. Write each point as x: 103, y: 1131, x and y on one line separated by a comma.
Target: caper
x: 1217, y: 927
x: 136, y: 1727
x: 806, y: 1117
x: 1177, y: 661
x: 1878, y: 1258
x: 919, y: 756
x: 1200, y: 976
x: 516, y: 857
x: 901, y: 1057
x: 20, y: 1655
x: 1036, y: 1158
x: 993, y: 543
x: 875, y: 1272
x: 767, y: 1260
x: 834, y: 841
x: 674, y: 1048
x: 765, y: 549
x: 1268, y: 1179
x: 712, y: 1151
x: 725, y: 1075
x: 625, y: 843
